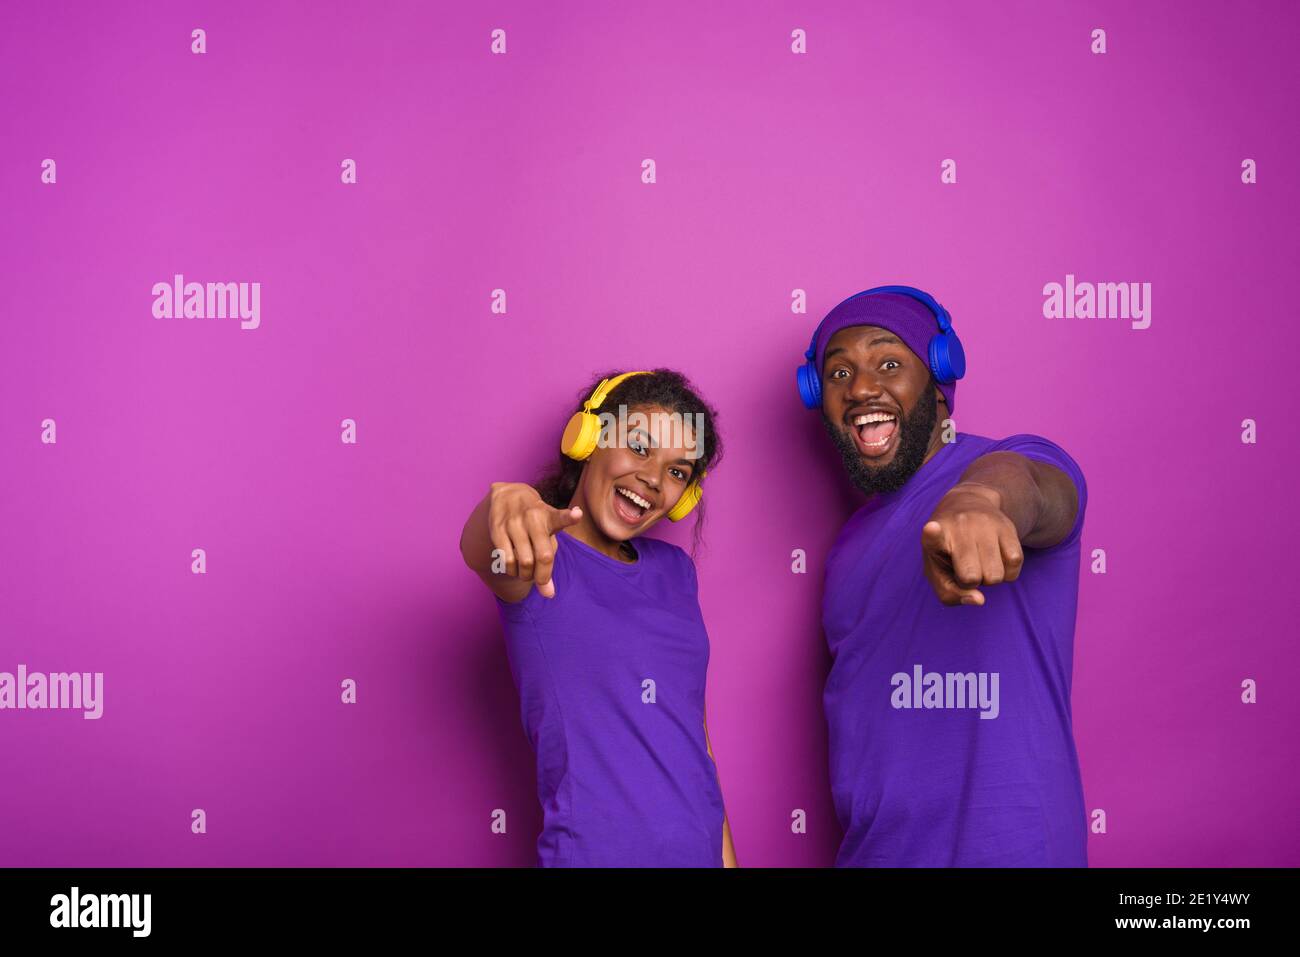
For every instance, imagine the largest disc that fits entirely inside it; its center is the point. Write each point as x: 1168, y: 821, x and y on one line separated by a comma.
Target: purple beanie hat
x: 909, y: 319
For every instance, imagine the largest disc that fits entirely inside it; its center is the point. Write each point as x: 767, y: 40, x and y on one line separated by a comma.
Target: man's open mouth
x: 874, y: 432
x: 629, y: 506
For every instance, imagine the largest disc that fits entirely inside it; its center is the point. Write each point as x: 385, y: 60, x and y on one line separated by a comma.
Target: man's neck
x: 936, y: 443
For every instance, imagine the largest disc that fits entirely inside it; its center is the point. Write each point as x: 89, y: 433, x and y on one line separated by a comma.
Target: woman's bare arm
x: 728, y: 847
x: 509, y: 540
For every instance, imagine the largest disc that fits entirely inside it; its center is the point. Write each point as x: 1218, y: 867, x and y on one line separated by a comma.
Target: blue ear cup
x: 946, y: 357
x: 807, y: 379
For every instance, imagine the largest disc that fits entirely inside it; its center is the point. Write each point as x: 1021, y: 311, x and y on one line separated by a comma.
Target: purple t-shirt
x: 950, y: 734
x: 611, y: 675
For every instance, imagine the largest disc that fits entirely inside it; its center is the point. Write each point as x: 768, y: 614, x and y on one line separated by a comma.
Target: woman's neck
x: 589, y: 533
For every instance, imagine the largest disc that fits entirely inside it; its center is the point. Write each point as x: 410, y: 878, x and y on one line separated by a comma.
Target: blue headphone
x: 947, y: 358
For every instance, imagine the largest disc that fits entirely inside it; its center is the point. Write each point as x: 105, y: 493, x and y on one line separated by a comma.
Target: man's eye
x: 636, y: 446
x: 891, y: 362
x: 835, y: 374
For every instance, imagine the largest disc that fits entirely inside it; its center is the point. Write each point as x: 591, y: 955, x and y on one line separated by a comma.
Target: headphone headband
x: 605, y: 388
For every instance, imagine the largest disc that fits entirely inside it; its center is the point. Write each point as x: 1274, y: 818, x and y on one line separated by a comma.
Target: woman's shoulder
x: 668, y: 555
x: 659, y: 549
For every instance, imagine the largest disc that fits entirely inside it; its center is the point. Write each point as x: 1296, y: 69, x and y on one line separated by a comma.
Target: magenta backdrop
x: 775, y: 171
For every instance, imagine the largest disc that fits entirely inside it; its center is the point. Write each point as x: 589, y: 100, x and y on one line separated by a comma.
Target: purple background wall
x: 776, y: 172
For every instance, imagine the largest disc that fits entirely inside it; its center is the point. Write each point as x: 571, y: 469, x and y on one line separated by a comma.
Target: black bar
x: 250, y: 906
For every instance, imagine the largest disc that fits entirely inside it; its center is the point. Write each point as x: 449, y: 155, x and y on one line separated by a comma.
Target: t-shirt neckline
x: 921, y: 473
x: 601, y: 556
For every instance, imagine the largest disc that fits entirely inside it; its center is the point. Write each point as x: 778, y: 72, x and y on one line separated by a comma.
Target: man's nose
x: 864, y: 385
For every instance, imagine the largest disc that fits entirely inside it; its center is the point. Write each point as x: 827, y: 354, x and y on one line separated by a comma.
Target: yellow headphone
x: 583, y: 432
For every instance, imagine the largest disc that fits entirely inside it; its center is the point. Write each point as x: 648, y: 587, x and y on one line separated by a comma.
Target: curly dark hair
x: 660, y: 388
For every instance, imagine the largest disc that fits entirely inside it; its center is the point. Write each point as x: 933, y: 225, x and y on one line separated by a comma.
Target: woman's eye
x: 636, y: 446
x: 679, y: 475
x: 892, y: 362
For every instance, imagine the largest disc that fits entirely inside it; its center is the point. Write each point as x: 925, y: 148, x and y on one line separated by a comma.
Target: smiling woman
x: 606, y: 640
x: 657, y: 412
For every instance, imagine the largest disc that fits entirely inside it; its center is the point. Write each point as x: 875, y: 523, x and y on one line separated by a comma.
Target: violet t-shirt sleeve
x: 1044, y: 450
x: 691, y: 575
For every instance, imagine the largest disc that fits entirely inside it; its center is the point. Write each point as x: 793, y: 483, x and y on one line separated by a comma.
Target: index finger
x: 563, y: 517
x: 544, y: 546
x: 940, y: 566
x: 934, y: 538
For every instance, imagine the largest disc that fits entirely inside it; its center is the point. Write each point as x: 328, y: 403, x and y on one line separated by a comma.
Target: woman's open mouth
x: 874, y: 433
x: 629, y: 506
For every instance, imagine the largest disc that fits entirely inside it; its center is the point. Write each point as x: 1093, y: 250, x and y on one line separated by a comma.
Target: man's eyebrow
x: 879, y: 340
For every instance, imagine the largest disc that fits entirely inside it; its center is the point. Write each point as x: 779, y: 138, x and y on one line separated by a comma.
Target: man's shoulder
x: 1016, y: 439
x: 972, y: 445
x: 1038, y: 447
x: 1028, y: 444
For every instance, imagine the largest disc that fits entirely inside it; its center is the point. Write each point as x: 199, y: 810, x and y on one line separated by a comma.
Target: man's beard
x: 913, y: 441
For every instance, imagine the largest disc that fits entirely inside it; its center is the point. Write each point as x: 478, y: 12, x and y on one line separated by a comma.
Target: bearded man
x: 949, y: 607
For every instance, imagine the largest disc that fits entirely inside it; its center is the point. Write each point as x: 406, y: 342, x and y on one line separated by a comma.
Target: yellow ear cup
x: 691, y: 496
x: 580, y: 435
x: 583, y: 431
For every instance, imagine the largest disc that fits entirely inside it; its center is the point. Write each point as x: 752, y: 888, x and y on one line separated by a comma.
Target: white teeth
x: 873, y: 417
x: 633, y: 496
